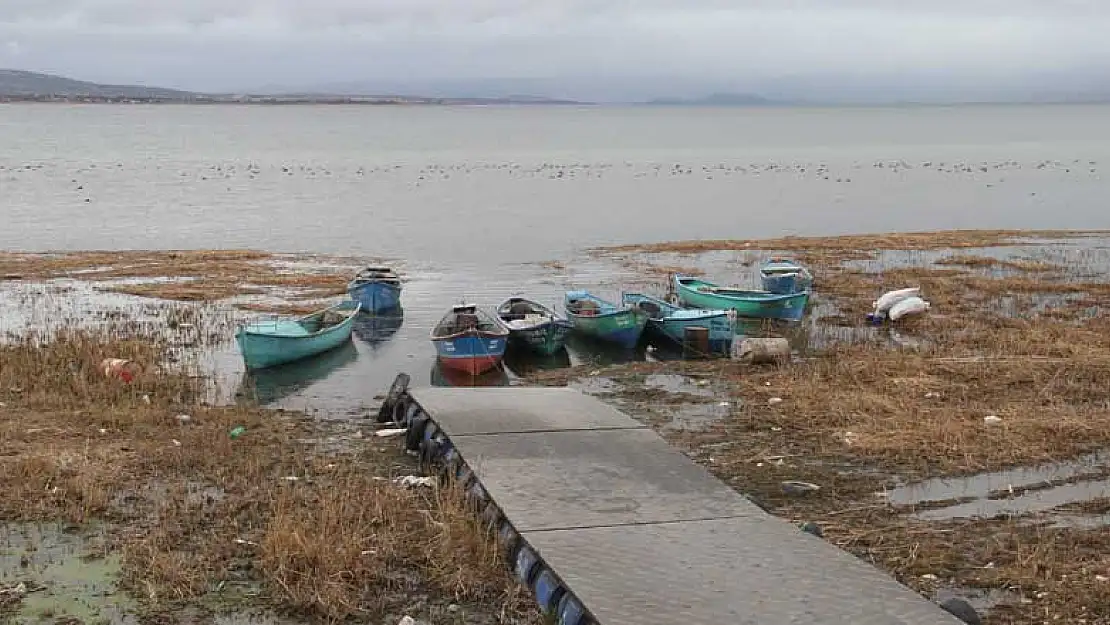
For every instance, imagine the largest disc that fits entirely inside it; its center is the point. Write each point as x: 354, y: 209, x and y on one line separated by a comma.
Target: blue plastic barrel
x: 526, y: 564
x: 548, y: 590
x: 570, y: 611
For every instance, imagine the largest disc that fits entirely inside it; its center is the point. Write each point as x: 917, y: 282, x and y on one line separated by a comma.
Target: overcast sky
x: 236, y: 44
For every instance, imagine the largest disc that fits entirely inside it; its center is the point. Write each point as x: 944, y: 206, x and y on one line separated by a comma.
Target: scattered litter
x: 766, y: 384
x: 812, y: 528
x: 703, y: 382
x: 412, y: 481
x: 932, y: 395
x: 146, y: 399
x: 755, y: 351
x: 176, y: 443
x: 237, y: 431
x: 18, y: 590
x: 121, y: 368
x: 992, y: 419
x: 183, y: 418
x: 103, y: 430
x: 390, y: 432
x: 595, y: 372
x: 929, y: 577
x: 291, y: 478
x: 908, y: 306
x: 799, y: 488
x: 240, y: 541
x: 775, y: 428
x: 368, y: 552
x: 3, y: 405
x: 774, y: 401
x: 724, y: 404
x: 1102, y: 578
x: 848, y: 438
x: 888, y: 300
x: 407, y: 620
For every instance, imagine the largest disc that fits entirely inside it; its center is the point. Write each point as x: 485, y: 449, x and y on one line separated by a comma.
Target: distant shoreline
x: 284, y: 100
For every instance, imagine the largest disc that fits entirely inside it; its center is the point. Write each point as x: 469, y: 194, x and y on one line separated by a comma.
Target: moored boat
x: 604, y: 320
x: 469, y: 340
x: 267, y: 343
x: 783, y: 276
x: 376, y: 288
x: 534, y: 325
x: 671, y: 321
x: 699, y: 293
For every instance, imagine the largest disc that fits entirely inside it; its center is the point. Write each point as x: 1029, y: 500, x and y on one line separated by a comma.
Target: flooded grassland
x: 963, y: 450
x: 147, y: 501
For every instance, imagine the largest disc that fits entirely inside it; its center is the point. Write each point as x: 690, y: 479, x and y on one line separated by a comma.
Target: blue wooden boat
x: 268, y: 343
x: 469, y: 340
x: 378, y: 289
x: 604, y: 320
x: 783, y: 276
x: 534, y: 325
x: 671, y: 321
x: 698, y: 293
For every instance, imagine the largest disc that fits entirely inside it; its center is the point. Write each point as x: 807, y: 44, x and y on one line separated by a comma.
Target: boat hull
x: 786, y: 284
x: 375, y: 297
x: 544, y: 339
x: 473, y: 354
x: 790, y: 307
x: 622, y: 327
x: 261, y: 351
x: 720, y: 329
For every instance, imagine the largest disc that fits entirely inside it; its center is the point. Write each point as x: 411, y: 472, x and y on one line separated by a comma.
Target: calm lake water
x: 461, y: 197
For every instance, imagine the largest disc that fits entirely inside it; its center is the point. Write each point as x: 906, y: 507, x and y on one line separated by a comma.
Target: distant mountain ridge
x: 20, y: 84
x: 16, y: 83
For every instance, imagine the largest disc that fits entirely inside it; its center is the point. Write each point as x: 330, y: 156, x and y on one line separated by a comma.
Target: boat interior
x: 378, y: 274
x: 465, y: 319
x: 584, y: 307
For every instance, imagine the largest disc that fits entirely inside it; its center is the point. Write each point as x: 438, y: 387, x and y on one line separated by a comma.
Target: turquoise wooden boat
x: 268, y: 343
x: 784, y: 276
x: 671, y: 321
x: 534, y: 325
x: 604, y: 320
x: 698, y: 293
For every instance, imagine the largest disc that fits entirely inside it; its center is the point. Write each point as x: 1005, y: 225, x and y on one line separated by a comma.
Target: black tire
x: 415, y: 434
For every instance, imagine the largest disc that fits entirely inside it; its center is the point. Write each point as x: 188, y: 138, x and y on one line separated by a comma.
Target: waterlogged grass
x: 295, y: 515
x: 1008, y: 368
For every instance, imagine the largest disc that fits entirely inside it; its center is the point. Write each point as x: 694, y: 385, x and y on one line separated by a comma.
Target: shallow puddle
x: 63, y: 574
x: 983, y: 485
x: 673, y: 383
x: 1028, y: 503
x: 692, y: 417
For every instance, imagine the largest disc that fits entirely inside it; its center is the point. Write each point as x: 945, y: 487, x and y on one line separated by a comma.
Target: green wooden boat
x: 604, y: 320
x: 274, y: 342
x: 699, y: 293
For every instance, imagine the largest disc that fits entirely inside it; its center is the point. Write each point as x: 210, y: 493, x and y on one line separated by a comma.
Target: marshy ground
x: 964, y: 451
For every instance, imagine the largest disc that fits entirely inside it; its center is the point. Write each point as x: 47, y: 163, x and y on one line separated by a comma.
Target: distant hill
x: 716, y: 99
x: 18, y: 83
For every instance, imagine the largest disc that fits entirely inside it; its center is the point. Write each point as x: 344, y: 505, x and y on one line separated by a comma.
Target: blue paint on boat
x: 783, y: 276
x: 470, y: 340
x: 268, y: 343
x: 671, y: 321
x: 378, y: 289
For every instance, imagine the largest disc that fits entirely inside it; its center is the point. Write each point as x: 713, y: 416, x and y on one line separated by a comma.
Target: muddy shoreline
x: 964, y: 452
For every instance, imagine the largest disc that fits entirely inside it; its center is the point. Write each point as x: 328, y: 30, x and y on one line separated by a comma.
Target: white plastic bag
x: 908, y: 306
x: 888, y: 300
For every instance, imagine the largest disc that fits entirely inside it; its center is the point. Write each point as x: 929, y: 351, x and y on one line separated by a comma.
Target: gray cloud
x: 223, y: 44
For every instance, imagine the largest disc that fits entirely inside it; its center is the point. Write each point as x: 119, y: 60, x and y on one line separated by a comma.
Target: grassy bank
x: 1009, y: 368
x: 189, y: 519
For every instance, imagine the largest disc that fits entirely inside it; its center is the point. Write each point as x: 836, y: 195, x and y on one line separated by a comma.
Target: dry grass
x: 194, y: 276
x: 1017, y: 339
x: 862, y: 244
x: 320, y: 530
